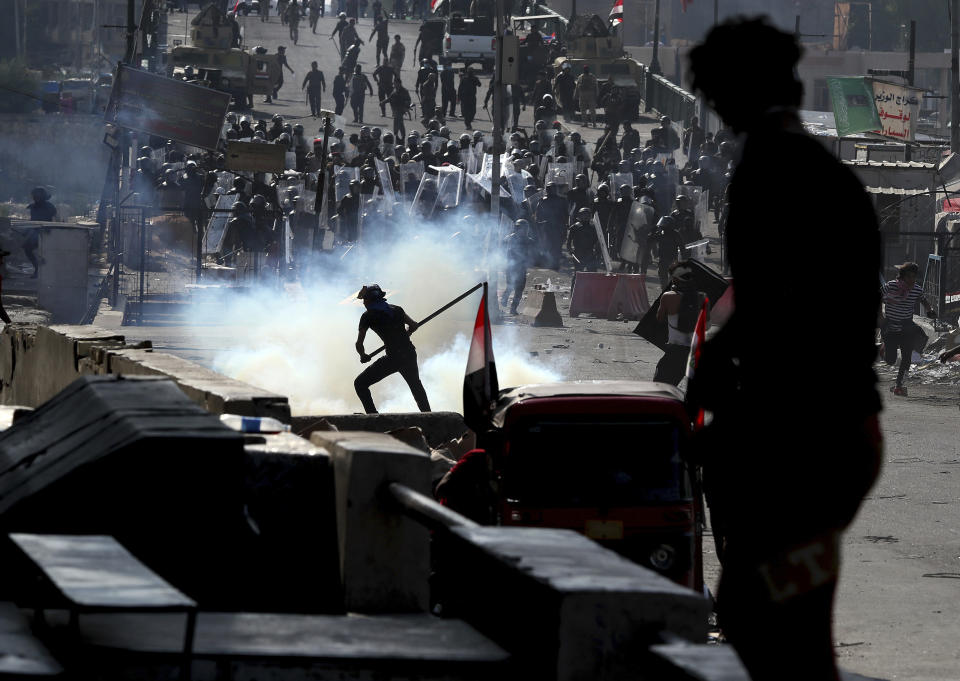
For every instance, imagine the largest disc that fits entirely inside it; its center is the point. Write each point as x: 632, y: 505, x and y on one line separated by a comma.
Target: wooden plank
x: 95, y: 572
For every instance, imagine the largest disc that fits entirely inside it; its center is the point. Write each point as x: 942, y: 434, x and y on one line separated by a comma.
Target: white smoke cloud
x: 299, y: 341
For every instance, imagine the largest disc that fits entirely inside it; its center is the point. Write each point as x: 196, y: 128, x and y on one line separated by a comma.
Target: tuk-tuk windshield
x: 577, y: 463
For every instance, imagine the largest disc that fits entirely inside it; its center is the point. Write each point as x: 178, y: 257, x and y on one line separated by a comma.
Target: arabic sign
x: 266, y: 158
x: 898, y: 107
x: 853, y: 106
x: 156, y: 105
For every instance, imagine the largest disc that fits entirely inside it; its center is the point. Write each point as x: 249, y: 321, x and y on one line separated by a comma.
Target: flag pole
x: 438, y: 312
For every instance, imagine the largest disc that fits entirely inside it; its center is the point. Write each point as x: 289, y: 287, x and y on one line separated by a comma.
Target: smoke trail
x: 299, y: 342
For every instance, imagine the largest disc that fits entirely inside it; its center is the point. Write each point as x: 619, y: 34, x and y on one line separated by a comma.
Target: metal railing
x: 425, y: 510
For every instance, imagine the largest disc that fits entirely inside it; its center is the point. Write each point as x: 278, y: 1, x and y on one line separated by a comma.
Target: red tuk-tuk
x: 602, y: 458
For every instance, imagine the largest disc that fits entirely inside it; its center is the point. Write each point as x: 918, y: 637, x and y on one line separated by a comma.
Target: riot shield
x: 516, y: 182
x: 342, y: 175
x: 562, y: 174
x: 617, y: 179
x: 449, y: 183
x: 386, y: 184
x: 217, y: 226
x: 603, y: 242
x: 411, y: 171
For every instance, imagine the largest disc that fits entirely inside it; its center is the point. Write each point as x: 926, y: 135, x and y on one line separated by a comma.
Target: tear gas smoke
x: 300, y: 342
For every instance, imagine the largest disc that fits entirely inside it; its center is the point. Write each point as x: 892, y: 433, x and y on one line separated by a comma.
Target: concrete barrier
x: 567, y: 607
x: 682, y: 661
x: 289, y: 503
x: 37, y: 362
x: 384, y: 556
x: 439, y: 427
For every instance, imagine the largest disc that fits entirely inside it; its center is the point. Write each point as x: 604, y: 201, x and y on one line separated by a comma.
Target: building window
x: 821, y: 95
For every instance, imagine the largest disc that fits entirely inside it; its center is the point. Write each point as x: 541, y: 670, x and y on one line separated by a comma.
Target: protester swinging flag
x: 616, y: 14
x: 696, y: 347
x: 435, y: 5
x: 480, y: 387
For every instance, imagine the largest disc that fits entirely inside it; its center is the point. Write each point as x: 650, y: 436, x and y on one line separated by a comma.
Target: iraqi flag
x: 435, y: 5
x: 480, y: 387
x: 616, y: 13
x: 696, y: 347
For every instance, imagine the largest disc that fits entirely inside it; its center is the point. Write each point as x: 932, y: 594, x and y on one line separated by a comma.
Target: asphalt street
x: 320, y: 48
x: 898, y: 606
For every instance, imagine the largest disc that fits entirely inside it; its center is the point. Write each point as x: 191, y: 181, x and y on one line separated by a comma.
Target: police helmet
x: 521, y: 224
x: 260, y: 201
x: 277, y: 118
x: 298, y: 129
x: 666, y: 222
x: 625, y: 191
x: 646, y: 200
x: 584, y: 214
x: 603, y: 187
x: 541, y: 125
x: 239, y: 207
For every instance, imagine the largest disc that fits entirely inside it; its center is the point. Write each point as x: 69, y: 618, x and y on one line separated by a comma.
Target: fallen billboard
x: 157, y: 105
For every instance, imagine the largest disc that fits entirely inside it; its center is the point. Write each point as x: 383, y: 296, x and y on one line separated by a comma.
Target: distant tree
x: 18, y: 87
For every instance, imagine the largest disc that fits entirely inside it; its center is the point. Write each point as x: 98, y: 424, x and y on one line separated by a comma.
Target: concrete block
x: 384, y: 556
x: 289, y: 503
x: 683, y: 661
x: 564, y: 603
x: 215, y: 392
x: 37, y: 362
x: 439, y: 427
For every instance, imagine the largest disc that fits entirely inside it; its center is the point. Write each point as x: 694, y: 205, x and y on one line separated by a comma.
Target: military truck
x: 590, y: 43
x: 211, y: 59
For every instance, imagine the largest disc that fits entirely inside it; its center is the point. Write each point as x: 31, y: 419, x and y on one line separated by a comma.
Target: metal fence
x: 153, y: 259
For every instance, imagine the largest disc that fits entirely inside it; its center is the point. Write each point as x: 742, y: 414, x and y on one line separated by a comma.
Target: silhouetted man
x: 803, y: 449
x: 394, y: 327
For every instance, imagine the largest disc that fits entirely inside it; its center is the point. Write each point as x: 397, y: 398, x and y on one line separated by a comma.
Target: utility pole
x: 131, y: 32
x: 955, y: 76
x: 796, y: 28
x: 655, y: 61
x: 498, y: 105
x: 911, y: 73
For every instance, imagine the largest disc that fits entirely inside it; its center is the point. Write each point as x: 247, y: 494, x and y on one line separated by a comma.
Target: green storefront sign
x: 853, y: 107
